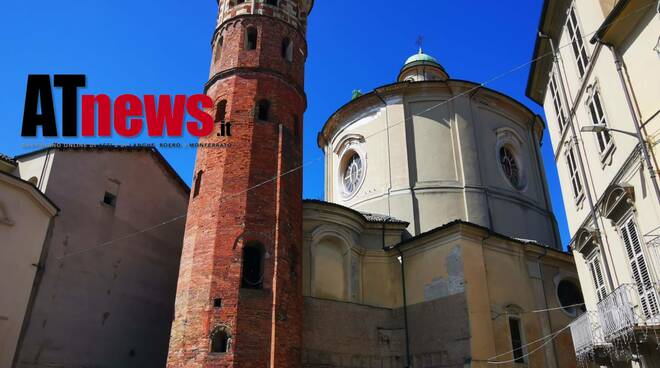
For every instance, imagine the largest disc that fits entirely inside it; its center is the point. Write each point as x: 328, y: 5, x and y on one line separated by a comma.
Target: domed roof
x: 422, y: 67
x: 421, y: 56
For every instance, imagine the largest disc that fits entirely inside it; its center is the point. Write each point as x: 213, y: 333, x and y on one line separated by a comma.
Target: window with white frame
x: 556, y: 101
x: 577, y: 42
x: 639, y: 267
x: 597, y: 114
x: 596, y: 272
x: 576, y: 181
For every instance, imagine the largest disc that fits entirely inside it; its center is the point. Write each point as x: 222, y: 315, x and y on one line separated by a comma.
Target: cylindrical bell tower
x: 239, y: 295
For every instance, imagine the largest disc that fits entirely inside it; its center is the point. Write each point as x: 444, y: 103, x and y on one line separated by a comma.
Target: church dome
x: 421, y: 57
x: 422, y: 67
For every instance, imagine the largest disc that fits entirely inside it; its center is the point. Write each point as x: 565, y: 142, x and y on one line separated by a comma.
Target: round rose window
x: 510, y: 167
x: 353, y: 173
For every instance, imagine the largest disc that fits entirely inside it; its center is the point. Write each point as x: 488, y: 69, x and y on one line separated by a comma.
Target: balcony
x: 626, y: 308
x: 617, y: 317
x: 587, y: 334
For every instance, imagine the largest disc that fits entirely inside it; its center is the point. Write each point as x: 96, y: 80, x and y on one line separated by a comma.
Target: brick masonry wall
x: 240, y: 202
x: 348, y: 335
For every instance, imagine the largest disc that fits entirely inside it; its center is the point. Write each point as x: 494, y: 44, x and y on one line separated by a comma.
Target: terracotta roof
x: 369, y: 217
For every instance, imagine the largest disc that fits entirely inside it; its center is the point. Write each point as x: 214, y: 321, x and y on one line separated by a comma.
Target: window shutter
x: 597, y: 276
x: 634, y: 251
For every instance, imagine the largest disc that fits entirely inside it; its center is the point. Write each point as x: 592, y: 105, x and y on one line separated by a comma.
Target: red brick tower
x: 239, y: 296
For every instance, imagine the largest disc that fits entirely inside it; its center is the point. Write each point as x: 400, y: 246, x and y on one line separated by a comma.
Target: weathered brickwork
x: 247, y: 195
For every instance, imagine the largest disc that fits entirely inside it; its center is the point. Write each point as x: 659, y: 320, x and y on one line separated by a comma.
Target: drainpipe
x: 583, y: 172
x: 545, y: 299
x: 405, y: 307
x: 645, y: 152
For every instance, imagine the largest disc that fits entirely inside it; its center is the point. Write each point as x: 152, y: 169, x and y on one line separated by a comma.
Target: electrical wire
x: 550, y: 338
x: 491, y: 80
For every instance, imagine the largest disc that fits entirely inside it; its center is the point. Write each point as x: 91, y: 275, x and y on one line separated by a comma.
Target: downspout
x: 405, y: 304
x: 405, y: 307
x: 545, y: 299
x: 583, y: 172
x: 645, y: 152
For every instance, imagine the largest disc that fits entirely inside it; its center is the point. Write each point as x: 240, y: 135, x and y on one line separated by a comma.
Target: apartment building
x: 596, y: 71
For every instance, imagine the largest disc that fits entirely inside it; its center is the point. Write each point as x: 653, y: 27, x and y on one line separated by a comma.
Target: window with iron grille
x: 596, y: 271
x: 598, y: 118
x: 635, y: 252
x: 577, y: 42
x: 576, y: 181
x: 556, y: 101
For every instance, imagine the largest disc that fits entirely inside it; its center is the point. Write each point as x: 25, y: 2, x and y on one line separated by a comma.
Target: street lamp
x: 600, y: 128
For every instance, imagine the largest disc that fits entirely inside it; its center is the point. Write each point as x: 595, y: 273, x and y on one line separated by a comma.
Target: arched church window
x: 221, y: 111
x: 253, y: 266
x: 220, y: 341
x: 510, y: 166
x: 353, y: 173
x: 251, y: 36
x: 287, y: 49
x: 263, y: 110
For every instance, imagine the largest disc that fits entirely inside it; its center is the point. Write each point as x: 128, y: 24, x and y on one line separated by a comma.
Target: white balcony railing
x: 587, y: 334
x: 623, y: 310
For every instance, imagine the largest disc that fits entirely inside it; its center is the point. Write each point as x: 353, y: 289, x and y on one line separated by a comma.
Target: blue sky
x: 163, y: 47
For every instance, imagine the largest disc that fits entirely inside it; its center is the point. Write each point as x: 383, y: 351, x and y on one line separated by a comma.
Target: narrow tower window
x: 251, y: 39
x: 296, y: 126
x: 287, y: 49
x: 198, y: 183
x: 218, y: 49
x: 263, y: 108
x: 220, y: 341
x: 253, y: 273
x: 221, y: 111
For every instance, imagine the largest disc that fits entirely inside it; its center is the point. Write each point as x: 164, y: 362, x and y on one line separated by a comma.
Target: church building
x: 436, y: 245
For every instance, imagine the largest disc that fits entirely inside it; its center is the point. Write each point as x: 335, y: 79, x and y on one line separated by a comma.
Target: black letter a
x: 39, y: 86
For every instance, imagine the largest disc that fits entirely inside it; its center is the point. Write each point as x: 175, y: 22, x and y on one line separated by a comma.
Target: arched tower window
x: 198, y: 183
x: 221, y: 111
x: 253, y: 266
x: 287, y: 49
x: 220, y: 341
x: 251, y: 36
x: 218, y: 49
x: 263, y: 110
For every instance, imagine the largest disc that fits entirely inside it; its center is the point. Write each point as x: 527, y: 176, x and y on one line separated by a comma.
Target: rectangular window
x: 577, y: 42
x: 576, y: 181
x: 516, y: 340
x: 111, y: 193
x: 635, y: 252
x: 596, y: 271
x: 556, y: 100
x: 598, y: 118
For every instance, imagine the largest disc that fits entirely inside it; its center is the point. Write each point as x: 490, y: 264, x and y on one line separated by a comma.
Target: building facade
x: 104, y: 289
x: 25, y: 219
x: 596, y: 71
x: 419, y: 257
